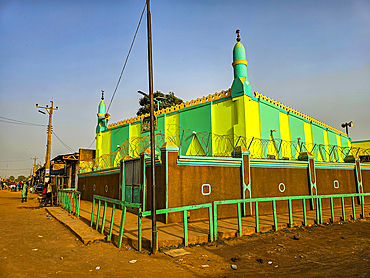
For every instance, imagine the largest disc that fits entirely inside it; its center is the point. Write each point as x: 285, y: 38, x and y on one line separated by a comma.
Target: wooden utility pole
x: 34, y: 165
x: 48, y: 144
x: 34, y: 168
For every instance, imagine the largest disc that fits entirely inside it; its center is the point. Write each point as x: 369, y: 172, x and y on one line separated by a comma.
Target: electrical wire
x: 15, y: 160
x: 17, y: 122
x: 64, y: 144
x: 14, y: 169
x: 124, y: 66
x: 92, y: 143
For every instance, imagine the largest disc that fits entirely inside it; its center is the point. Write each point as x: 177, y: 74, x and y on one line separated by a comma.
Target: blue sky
x: 313, y: 56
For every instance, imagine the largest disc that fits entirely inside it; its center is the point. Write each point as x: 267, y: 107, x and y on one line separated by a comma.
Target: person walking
x: 50, y: 193
x: 24, y: 191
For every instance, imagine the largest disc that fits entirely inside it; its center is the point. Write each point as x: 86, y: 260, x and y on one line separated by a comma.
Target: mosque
x: 228, y: 145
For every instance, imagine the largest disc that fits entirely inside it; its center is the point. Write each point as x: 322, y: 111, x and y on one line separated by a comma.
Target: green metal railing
x: 212, y: 212
x: 141, y: 214
x: 316, y: 199
x: 114, y: 203
x: 185, y: 210
x: 69, y: 199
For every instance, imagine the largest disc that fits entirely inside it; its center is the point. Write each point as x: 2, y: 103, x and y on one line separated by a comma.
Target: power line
x: 15, y: 160
x: 92, y: 143
x: 64, y: 144
x: 14, y: 169
x: 17, y: 122
x: 124, y: 66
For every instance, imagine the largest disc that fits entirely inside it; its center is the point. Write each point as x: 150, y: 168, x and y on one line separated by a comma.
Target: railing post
x: 64, y: 200
x: 67, y: 201
x: 215, y: 219
x: 290, y: 213
x: 239, y: 219
x: 353, y: 207
x: 363, y: 206
x: 98, y: 216
x: 304, y: 212
x: 210, y: 223
x: 317, y: 211
x: 139, y: 242
x: 332, y: 209
x: 75, y: 204
x: 79, y: 202
x: 104, y: 214
x: 257, y: 219
x: 320, y: 210
x: 122, y: 226
x: 111, y: 222
x: 92, y: 212
x: 186, y: 227
x: 275, y: 216
x: 343, y: 209
x: 71, y: 202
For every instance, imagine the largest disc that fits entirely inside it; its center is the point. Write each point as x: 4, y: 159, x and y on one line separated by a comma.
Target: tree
x: 11, y: 178
x: 164, y: 101
x: 21, y: 178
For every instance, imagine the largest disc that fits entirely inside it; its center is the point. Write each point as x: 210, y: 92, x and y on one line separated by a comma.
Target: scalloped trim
x: 291, y: 110
x: 205, y: 99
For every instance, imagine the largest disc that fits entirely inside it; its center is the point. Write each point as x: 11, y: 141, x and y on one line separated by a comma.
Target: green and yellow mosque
x: 215, y: 125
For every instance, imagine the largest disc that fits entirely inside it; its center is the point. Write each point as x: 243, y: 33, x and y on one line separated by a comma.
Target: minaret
x: 241, y: 83
x: 102, y: 120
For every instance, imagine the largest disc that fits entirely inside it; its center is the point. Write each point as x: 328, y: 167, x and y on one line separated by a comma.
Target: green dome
x: 102, y: 108
x: 239, y: 60
x: 239, y: 52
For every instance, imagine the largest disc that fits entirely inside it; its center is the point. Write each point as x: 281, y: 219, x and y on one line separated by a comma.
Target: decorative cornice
x: 291, y: 110
x: 216, y: 96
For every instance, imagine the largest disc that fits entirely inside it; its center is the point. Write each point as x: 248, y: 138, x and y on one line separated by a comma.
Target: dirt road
x: 33, y: 244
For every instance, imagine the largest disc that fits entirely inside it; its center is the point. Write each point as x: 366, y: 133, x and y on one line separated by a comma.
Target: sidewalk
x: 173, y: 234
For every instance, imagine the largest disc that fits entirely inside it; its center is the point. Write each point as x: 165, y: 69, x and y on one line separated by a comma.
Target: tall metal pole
x: 152, y: 138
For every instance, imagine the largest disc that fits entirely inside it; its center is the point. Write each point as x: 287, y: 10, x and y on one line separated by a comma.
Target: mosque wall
x: 365, y: 173
x: 104, y: 183
x: 242, y: 116
x: 189, y: 180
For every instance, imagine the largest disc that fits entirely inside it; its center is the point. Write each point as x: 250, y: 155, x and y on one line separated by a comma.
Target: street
x: 33, y: 244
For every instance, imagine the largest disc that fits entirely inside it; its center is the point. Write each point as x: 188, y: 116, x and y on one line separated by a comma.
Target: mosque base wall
x: 187, y: 180
x: 102, y: 183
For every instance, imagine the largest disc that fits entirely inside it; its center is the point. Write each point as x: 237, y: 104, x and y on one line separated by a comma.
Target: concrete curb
x: 84, y: 232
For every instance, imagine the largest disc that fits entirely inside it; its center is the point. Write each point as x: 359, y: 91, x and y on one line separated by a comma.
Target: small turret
x: 241, y: 83
x: 102, y: 115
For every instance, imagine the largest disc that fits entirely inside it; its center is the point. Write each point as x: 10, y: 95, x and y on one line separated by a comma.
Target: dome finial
x: 102, y: 95
x: 238, y: 35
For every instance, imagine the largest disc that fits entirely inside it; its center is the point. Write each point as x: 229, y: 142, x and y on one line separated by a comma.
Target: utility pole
x: 34, y: 168
x: 152, y: 138
x: 48, y: 144
x: 34, y: 165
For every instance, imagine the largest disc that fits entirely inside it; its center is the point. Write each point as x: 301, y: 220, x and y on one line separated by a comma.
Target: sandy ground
x: 33, y: 244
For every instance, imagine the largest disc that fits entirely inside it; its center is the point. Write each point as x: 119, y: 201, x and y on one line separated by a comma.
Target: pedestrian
x: 50, y: 193
x: 24, y: 191
x: 44, y: 190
